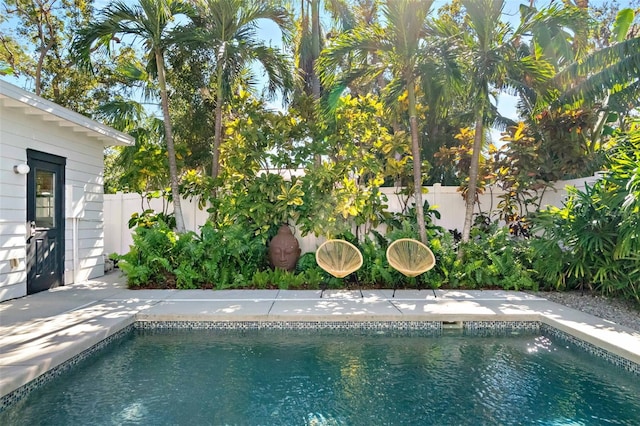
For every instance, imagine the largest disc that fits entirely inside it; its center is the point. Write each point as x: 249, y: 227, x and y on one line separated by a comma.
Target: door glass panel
x: 45, y: 202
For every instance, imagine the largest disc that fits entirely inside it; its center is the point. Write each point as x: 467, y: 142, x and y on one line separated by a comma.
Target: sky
x: 269, y: 32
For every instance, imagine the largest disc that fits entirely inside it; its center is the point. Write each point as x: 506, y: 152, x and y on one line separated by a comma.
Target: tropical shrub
x: 278, y: 278
x: 593, y: 240
x: 219, y: 258
x: 149, y: 260
x: 493, y: 258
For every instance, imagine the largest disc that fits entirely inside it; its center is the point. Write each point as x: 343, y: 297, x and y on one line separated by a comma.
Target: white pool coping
x: 42, y: 331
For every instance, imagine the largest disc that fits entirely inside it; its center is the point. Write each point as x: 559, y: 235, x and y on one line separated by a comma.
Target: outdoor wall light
x: 21, y: 169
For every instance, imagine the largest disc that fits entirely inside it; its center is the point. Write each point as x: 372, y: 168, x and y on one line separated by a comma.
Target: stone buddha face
x: 284, y: 257
x: 284, y: 249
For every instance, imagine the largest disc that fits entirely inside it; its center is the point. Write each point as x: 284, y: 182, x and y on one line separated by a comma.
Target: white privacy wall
x: 446, y: 199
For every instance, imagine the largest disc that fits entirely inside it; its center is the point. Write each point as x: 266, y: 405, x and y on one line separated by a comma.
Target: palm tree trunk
x: 217, y: 130
x: 171, y: 150
x: 470, y: 199
x: 315, y: 54
x: 417, y: 162
x: 217, y: 139
x: 315, y: 46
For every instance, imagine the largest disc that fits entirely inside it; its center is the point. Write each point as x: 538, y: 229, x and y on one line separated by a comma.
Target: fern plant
x: 148, y: 261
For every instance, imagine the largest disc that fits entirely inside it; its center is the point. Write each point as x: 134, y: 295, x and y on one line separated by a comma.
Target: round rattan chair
x: 339, y: 258
x: 410, y: 257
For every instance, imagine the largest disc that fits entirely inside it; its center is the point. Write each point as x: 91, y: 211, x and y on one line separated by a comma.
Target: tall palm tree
x: 229, y: 29
x: 148, y: 22
x: 594, y: 83
x: 311, y: 38
x: 399, y: 46
x: 494, y: 61
x: 609, y: 77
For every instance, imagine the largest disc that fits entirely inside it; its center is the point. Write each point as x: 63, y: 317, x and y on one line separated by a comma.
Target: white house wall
x: 84, y: 169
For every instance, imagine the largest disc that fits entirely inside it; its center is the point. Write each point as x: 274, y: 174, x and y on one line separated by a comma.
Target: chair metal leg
x: 324, y: 287
x: 359, y: 286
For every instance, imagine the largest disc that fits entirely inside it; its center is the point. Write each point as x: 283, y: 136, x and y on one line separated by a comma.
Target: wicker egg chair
x: 410, y: 257
x: 339, y: 258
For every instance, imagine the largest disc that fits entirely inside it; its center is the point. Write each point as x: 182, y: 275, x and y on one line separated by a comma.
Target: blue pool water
x: 181, y: 377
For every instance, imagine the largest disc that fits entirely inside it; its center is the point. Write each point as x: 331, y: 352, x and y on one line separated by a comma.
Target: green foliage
x: 278, y: 278
x: 375, y: 270
x: 35, y: 48
x: 307, y: 262
x: 360, y: 156
x: 149, y: 217
x: 148, y: 261
x: 142, y: 167
x: 593, y: 240
x: 493, y: 259
x: 217, y: 258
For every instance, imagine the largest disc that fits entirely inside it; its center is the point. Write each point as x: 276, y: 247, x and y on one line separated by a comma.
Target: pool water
x: 277, y: 377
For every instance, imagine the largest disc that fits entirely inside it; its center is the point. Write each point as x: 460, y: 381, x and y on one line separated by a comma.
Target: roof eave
x: 50, y: 111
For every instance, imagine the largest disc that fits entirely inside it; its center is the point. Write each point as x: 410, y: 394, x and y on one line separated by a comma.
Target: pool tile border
x: 293, y: 325
x: 533, y: 326
x: 16, y: 395
x: 475, y: 328
x: 612, y: 358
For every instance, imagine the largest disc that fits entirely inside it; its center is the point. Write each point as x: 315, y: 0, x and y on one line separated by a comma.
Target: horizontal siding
x: 89, y: 243
x: 13, y: 229
x: 13, y: 215
x: 85, y: 174
x: 13, y: 277
x: 12, y: 247
x: 84, y: 168
x: 13, y: 291
x: 6, y: 269
x: 90, y: 252
x: 13, y: 191
x: 12, y: 153
x: 50, y: 136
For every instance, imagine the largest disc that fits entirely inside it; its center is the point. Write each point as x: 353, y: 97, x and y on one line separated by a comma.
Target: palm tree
x: 608, y: 76
x: 399, y: 46
x: 494, y: 64
x: 149, y: 22
x: 229, y: 29
x: 588, y: 84
x: 311, y: 39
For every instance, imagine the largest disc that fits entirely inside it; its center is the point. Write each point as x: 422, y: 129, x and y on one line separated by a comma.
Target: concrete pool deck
x: 41, y: 331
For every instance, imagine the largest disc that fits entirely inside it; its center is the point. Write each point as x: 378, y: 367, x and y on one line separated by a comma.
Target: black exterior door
x: 45, y: 221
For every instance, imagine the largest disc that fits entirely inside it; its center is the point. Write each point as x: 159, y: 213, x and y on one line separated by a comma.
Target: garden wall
x: 119, y: 207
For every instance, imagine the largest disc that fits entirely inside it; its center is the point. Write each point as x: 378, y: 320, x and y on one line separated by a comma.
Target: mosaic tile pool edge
x: 614, y: 359
x: 435, y: 326
x: 16, y: 395
x: 468, y: 327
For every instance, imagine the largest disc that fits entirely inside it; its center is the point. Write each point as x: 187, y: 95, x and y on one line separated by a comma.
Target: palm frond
x: 277, y: 67
x: 626, y: 98
x: 120, y: 114
x: 360, y: 41
x: 337, y: 88
x: 406, y: 24
x: 600, y: 72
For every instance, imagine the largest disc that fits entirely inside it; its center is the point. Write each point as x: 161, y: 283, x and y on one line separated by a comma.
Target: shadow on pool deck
x: 41, y: 331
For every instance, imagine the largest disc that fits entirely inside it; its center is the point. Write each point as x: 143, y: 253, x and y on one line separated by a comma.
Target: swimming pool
x: 334, y: 377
